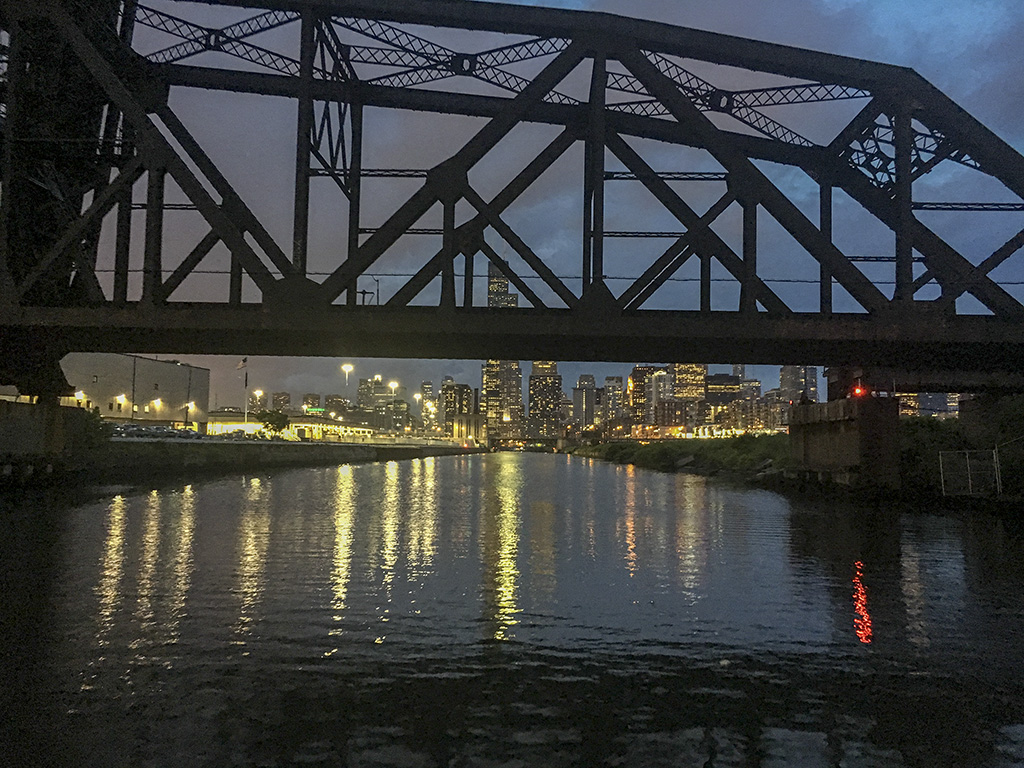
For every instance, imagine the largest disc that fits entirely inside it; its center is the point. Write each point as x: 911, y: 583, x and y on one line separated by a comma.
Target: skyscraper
x: 455, y: 400
x: 502, y: 380
x: 636, y: 391
x: 612, y: 406
x: 545, y: 400
x: 282, y: 401
x: 584, y: 402
x: 795, y: 381
x: 659, y: 388
x: 689, y: 381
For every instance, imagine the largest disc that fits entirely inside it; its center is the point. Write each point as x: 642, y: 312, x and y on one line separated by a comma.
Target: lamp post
x: 418, y: 397
x: 346, y: 369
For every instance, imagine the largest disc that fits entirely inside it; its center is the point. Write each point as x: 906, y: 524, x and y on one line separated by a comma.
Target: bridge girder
x: 609, y: 82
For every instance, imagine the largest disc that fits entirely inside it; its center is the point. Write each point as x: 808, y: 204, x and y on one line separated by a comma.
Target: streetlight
x: 394, y: 386
x: 347, y: 368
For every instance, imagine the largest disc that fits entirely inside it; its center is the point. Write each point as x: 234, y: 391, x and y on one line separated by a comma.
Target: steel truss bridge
x: 89, y: 136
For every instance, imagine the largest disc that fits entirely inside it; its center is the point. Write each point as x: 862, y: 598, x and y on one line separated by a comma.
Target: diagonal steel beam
x: 755, y: 184
x: 231, y: 201
x: 101, y: 204
x: 189, y: 263
x: 506, y: 269
x: 460, y: 163
x: 680, y: 253
x: 501, y: 201
x: 950, y: 268
x: 525, y: 252
x: 235, y: 32
x: 152, y: 142
x: 669, y: 263
x: 706, y: 239
x: 1005, y: 251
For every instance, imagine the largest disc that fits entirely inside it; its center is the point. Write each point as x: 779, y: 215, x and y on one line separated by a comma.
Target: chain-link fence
x: 970, y: 473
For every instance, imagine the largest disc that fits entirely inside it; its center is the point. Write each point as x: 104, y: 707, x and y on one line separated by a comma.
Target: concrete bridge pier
x: 853, y: 441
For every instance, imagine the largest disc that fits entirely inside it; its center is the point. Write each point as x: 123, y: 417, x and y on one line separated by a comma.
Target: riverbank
x: 745, y: 455
x: 765, y: 461
x: 138, y: 460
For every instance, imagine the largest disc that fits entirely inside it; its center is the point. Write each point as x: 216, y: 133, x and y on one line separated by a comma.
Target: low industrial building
x: 134, y: 389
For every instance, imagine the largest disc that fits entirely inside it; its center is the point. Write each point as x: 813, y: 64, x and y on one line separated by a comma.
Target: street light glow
x: 79, y: 395
x: 192, y: 406
x: 258, y: 393
x: 394, y: 386
x: 121, y: 399
x: 347, y: 368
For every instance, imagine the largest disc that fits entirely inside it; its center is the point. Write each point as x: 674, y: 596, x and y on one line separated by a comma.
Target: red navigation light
x: 859, y: 391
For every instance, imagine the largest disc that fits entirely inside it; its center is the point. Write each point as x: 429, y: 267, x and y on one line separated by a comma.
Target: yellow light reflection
x: 630, y: 520
x: 422, y: 517
x: 255, y: 537
x: 150, y: 555
x: 501, y: 549
x: 391, y: 511
x: 183, y: 558
x: 111, y: 567
x: 690, y: 544
x: 344, y: 508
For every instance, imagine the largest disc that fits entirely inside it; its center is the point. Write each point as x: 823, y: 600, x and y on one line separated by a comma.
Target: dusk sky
x: 969, y: 50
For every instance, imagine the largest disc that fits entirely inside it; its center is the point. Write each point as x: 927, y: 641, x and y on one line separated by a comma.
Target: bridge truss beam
x: 610, y: 83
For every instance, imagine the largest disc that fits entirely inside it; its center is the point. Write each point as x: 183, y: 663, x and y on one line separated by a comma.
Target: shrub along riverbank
x: 746, y: 453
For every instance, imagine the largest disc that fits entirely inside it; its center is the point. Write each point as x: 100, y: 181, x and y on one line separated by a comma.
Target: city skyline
x: 298, y: 376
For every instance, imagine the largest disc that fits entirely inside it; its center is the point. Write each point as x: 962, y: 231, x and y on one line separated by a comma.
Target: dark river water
x: 505, y: 610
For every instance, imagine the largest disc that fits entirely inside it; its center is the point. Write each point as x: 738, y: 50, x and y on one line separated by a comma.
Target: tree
x: 273, y: 421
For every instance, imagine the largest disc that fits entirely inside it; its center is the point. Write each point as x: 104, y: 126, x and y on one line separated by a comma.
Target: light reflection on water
x: 514, y: 607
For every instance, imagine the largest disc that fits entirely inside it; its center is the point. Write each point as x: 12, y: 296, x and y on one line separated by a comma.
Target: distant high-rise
x: 497, y: 289
x: 584, y: 401
x: 311, y: 400
x: 636, y: 391
x: 612, y: 398
x: 739, y: 371
x: 795, y: 381
x: 428, y: 406
x: 545, y: 389
x: 502, y: 399
x: 455, y: 400
x: 689, y: 381
x: 282, y: 401
x: 502, y: 380
x: 658, y: 388
x: 335, y: 404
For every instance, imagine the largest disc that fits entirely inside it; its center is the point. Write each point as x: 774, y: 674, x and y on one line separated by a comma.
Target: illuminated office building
x: 689, y: 381
x: 282, y: 401
x: 545, y: 400
x: 636, y: 391
x: 612, y: 405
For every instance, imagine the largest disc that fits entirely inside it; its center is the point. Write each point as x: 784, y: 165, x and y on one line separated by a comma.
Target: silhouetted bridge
x: 90, y: 136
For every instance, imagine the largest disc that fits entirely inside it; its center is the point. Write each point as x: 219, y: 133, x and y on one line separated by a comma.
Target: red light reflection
x: 862, y: 621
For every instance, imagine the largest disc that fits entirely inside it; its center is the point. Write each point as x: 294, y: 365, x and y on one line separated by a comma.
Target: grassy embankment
x: 921, y: 439
x: 736, y: 454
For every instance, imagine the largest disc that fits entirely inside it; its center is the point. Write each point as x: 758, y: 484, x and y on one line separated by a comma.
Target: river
x: 506, y: 610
